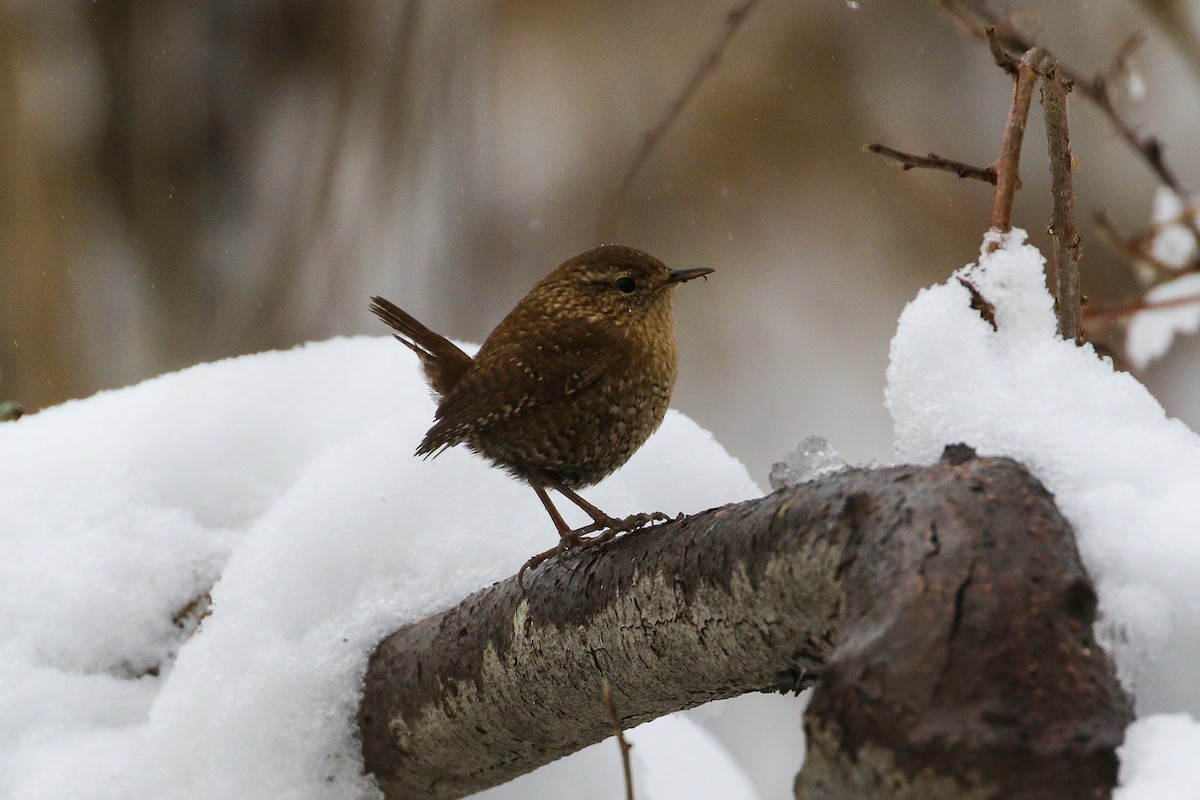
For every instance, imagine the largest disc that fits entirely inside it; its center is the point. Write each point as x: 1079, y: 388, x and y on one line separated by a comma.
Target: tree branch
x: 1008, y: 165
x: 1138, y: 306
x: 944, y: 609
x: 1067, y: 245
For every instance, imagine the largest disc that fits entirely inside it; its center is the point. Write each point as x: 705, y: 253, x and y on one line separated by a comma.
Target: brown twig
x: 1135, y: 247
x: 1149, y: 147
x: 1008, y: 165
x: 615, y: 718
x: 1004, y: 59
x: 733, y: 22
x: 1119, y: 66
x: 1067, y: 246
x: 934, y: 161
x: 1129, y: 309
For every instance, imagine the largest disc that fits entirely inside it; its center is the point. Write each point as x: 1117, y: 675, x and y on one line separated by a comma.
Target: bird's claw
x: 603, y: 530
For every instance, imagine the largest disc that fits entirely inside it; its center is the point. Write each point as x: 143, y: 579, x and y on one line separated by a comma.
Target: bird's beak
x: 685, y: 275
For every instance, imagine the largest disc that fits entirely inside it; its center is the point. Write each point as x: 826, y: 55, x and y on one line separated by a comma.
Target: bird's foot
x: 599, y: 532
x: 603, y: 530
x: 536, y: 561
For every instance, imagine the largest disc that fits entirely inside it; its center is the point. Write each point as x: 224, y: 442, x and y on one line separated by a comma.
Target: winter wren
x: 568, y: 386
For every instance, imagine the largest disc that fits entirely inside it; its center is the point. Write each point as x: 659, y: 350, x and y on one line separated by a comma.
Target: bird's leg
x: 599, y: 518
x: 604, y: 526
x: 607, y: 526
x: 566, y: 536
x: 569, y: 537
x: 561, y: 524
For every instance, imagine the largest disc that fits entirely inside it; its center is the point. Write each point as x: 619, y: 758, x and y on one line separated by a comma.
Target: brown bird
x: 568, y: 386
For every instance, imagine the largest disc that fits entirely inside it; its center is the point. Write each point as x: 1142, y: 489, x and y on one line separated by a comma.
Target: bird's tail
x: 443, y: 362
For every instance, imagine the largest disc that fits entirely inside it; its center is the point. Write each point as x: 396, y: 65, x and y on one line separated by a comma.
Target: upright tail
x: 443, y: 362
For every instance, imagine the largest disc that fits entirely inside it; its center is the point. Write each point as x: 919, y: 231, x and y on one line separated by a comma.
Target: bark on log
x: 942, y: 611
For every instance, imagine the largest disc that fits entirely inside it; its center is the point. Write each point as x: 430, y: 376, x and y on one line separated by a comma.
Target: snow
x: 1158, y: 759
x: 1174, y: 245
x: 813, y: 458
x: 1151, y: 331
x: 1121, y: 471
x: 285, y: 482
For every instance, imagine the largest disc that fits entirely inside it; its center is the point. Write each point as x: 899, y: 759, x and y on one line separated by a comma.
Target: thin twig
x: 1136, y: 248
x: 934, y: 161
x: 1067, y: 246
x: 1004, y: 59
x: 733, y: 22
x: 615, y: 718
x: 1008, y: 165
x: 1128, y: 309
x: 1119, y: 66
x: 1149, y: 147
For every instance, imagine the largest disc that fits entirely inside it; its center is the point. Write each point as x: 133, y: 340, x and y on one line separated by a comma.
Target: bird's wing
x: 518, y: 374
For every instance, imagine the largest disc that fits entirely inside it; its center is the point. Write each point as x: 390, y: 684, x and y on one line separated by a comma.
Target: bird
x: 567, y: 387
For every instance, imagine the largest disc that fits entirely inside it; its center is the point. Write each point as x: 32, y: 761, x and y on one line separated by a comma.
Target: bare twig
x: 733, y: 22
x: 1136, y: 247
x: 1119, y: 67
x: 1149, y: 147
x: 1004, y: 59
x: 1067, y: 247
x: 1129, y: 309
x: 1008, y: 165
x: 615, y: 717
x: 934, y: 161
x: 1005, y: 172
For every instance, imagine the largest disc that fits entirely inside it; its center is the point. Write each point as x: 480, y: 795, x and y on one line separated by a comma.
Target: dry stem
x: 934, y: 161
x: 733, y: 22
x: 1128, y: 309
x: 1067, y: 247
x: 1136, y: 247
x: 614, y: 716
x: 1008, y: 165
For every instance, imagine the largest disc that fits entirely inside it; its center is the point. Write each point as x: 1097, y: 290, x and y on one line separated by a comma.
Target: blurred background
x: 188, y: 181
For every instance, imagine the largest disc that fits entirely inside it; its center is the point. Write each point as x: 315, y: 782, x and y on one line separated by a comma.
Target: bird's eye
x: 626, y: 284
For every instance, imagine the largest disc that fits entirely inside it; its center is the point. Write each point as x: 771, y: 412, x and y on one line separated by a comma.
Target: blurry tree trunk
x: 38, y: 329
x: 942, y: 613
x: 189, y: 181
